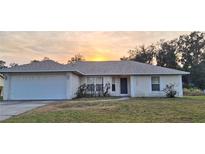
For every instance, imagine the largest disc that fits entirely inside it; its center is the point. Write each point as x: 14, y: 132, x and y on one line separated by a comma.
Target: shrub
x: 1, y: 98
x: 170, y: 91
x: 81, y: 92
x: 89, y: 90
x: 193, y: 92
x: 107, y: 87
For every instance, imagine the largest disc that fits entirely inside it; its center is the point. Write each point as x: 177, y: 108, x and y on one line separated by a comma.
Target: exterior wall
x: 6, y: 87
x: 133, y: 86
x: 75, y: 80
x: 141, y: 86
x: 174, y: 79
x: 72, y: 84
x: 1, y: 85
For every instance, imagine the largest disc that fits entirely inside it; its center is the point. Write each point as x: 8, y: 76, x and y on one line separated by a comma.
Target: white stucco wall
x: 141, y: 85
x: 1, y: 85
x: 1, y: 82
x: 6, y: 87
x: 172, y: 79
x: 75, y: 83
x: 72, y: 84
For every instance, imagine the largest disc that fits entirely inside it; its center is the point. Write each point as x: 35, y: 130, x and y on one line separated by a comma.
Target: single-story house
x: 1, y: 85
x: 47, y: 79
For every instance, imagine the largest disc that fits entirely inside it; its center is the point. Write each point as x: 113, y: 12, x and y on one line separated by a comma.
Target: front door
x: 123, y: 85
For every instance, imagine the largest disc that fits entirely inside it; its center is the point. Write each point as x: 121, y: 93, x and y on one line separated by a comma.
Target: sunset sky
x: 22, y: 47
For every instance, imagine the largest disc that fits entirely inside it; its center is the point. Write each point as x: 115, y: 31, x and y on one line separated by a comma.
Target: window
x: 113, y: 84
x: 90, y: 84
x: 95, y: 84
x: 90, y: 80
x: 99, y: 87
x: 99, y: 80
x: 99, y: 84
x: 155, y: 83
x: 90, y: 87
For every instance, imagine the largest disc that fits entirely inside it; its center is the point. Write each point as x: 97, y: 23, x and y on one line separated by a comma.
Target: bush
x: 87, y: 91
x: 81, y: 92
x: 1, y: 98
x: 193, y: 92
x: 170, y: 91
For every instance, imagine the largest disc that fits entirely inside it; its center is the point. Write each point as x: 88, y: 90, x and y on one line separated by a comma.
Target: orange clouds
x: 21, y: 47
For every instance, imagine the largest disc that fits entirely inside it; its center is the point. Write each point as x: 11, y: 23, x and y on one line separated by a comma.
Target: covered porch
x: 118, y: 85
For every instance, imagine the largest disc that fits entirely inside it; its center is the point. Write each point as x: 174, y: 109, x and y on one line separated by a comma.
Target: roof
x: 123, y: 68
x: 39, y: 66
x: 96, y: 68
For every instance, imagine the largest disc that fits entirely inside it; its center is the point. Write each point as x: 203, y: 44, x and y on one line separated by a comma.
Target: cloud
x: 21, y: 47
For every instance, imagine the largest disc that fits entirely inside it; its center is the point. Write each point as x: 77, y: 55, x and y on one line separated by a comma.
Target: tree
x: 13, y: 64
x: 166, y: 54
x: 2, y: 64
x: 34, y: 61
x: 76, y: 58
x: 186, y: 53
x: 170, y: 90
x: 198, y: 75
x: 46, y: 58
x: 191, y: 47
x: 141, y: 54
x: 124, y: 58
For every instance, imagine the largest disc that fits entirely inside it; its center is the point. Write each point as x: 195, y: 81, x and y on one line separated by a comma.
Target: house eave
x: 136, y: 74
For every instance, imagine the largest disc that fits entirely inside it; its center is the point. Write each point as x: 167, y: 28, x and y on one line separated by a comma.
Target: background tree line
x: 75, y: 58
x: 186, y: 53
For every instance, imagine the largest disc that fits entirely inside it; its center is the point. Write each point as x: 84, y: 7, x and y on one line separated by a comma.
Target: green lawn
x: 187, y: 109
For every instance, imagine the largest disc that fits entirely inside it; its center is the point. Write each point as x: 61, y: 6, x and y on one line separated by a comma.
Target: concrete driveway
x: 12, y: 108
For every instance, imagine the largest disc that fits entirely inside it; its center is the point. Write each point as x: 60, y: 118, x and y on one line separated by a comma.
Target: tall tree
x: 124, y: 58
x: 141, y: 54
x: 2, y: 64
x: 13, y: 64
x: 76, y: 58
x: 198, y: 75
x: 45, y: 58
x: 166, y: 54
x: 34, y: 61
x: 191, y: 47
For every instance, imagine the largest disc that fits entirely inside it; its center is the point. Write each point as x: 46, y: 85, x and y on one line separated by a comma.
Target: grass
x: 136, y: 110
x: 96, y: 98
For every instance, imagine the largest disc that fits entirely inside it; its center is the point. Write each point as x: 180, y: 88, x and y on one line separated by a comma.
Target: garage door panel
x: 38, y: 87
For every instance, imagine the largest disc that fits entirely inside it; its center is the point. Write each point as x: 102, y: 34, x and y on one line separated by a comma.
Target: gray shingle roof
x: 95, y: 68
x: 41, y: 66
x: 122, y: 68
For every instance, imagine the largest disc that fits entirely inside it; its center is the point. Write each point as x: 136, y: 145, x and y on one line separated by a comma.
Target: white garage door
x: 35, y: 87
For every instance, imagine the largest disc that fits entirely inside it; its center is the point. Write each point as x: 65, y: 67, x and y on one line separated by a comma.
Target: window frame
x: 155, y: 84
x: 113, y: 84
x: 94, y: 83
